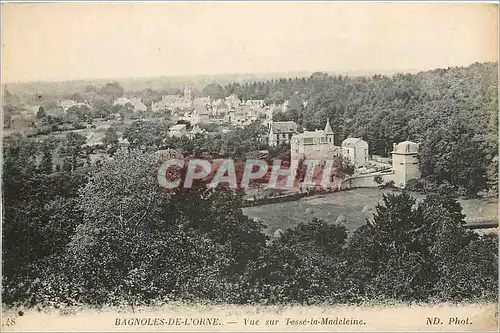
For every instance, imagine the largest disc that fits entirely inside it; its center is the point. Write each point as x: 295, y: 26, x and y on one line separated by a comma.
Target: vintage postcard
x: 249, y: 166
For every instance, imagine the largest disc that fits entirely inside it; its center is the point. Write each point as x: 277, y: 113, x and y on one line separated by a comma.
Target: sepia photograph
x: 249, y: 166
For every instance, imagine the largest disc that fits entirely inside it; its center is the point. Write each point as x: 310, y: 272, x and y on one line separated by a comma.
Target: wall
x: 366, y: 181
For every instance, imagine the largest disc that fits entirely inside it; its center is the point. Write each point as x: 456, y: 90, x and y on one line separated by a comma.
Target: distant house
x: 172, y: 102
x: 121, y: 101
x: 200, y: 114
x: 202, y: 101
x: 284, y: 107
x: 233, y: 100
x: 66, y: 104
x: 280, y: 132
x: 159, y: 106
x: 178, y: 130
x: 196, y: 130
x: 138, y: 105
x: 356, y: 151
x: 135, y: 102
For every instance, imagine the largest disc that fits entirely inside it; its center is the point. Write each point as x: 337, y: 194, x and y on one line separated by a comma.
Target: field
x: 354, y: 205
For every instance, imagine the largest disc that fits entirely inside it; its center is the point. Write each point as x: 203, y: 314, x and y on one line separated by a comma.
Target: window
x: 308, y: 141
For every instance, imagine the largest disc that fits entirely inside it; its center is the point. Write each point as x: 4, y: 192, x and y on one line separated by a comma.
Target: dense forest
x: 109, y: 234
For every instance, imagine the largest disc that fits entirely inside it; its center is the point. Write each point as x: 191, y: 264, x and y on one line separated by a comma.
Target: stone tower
x: 187, y: 93
x: 405, y: 164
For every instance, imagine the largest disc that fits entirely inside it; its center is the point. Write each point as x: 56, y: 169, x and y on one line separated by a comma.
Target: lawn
x: 355, y: 205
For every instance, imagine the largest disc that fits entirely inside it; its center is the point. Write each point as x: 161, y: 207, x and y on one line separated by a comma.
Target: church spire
x: 328, y: 128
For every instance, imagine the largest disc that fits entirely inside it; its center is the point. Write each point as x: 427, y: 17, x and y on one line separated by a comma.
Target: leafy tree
x: 111, y: 91
x: 41, y: 112
x: 73, y: 146
x: 378, y: 179
x: 455, y: 154
x: 111, y: 137
x: 214, y: 91
x: 46, y: 163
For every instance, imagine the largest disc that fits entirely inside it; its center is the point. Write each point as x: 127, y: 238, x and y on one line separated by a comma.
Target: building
x: 405, y: 163
x: 174, y: 102
x: 195, y: 131
x: 178, y: 130
x: 232, y: 101
x: 66, y: 104
x: 356, y: 151
x: 255, y: 103
x: 135, y: 102
x: 199, y: 115
x: 281, y: 132
x: 202, y: 101
x: 284, y: 107
x: 138, y: 105
x: 314, y: 145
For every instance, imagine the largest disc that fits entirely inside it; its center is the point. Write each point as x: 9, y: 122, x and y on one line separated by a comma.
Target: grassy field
x: 355, y: 205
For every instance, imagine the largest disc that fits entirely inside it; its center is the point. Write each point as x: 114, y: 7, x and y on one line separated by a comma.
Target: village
x: 189, y: 115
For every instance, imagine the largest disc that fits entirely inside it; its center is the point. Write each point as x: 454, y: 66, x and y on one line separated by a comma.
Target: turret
x: 329, y: 132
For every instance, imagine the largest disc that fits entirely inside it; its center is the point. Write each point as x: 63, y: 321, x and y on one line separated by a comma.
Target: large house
x: 135, y: 102
x: 281, y: 132
x: 356, y: 151
x: 200, y: 114
x: 314, y: 145
x: 173, y: 102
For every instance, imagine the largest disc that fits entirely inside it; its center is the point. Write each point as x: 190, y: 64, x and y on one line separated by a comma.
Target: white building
x: 135, y: 102
x: 405, y: 163
x: 232, y: 101
x: 356, y: 151
x: 66, y: 104
x: 178, y: 130
x: 202, y: 101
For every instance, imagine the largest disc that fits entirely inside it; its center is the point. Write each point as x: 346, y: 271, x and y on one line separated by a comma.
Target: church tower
x: 187, y: 93
x: 329, y: 133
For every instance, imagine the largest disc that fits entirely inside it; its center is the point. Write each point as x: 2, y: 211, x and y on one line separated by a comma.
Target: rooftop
x: 178, y: 127
x: 406, y: 147
x: 351, y: 142
x: 284, y: 126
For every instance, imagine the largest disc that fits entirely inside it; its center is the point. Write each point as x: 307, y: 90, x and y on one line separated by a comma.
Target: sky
x: 65, y: 41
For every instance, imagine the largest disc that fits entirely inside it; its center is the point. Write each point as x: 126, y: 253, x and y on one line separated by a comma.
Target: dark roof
x: 284, y: 127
